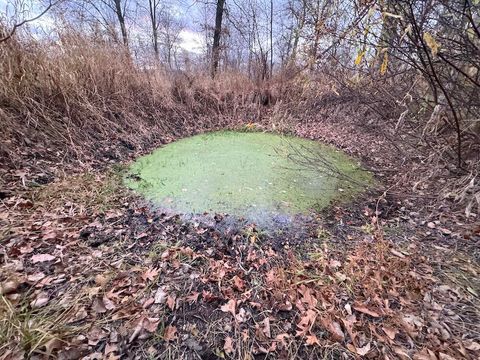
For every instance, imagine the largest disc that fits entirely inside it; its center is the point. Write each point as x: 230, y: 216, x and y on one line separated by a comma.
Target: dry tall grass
x: 80, y: 97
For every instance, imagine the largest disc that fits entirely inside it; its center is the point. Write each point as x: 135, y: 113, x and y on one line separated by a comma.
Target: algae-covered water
x: 247, y: 174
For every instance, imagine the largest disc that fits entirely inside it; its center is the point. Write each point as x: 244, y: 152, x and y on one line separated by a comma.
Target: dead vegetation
x: 78, y: 99
x: 78, y: 280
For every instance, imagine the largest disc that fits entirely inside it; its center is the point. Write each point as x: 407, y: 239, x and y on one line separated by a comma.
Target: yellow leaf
x: 383, y: 68
x: 359, y: 57
x: 431, y: 43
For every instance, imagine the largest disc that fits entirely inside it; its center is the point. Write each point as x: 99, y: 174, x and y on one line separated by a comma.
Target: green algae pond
x: 251, y: 175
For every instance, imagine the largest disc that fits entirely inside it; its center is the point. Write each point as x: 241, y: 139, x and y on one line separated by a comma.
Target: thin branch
x: 26, y: 21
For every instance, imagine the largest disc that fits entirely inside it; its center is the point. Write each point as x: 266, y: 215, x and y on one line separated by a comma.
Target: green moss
x: 245, y: 174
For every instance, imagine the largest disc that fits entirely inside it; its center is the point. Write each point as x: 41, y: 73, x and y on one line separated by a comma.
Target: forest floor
x: 90, y: 270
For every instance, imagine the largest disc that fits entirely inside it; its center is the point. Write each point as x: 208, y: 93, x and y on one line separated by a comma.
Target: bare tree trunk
x: 121, y: 19
x: 216, y: 37
x: 153, y: 5
x: 271, y: 38
x: 297, y: 32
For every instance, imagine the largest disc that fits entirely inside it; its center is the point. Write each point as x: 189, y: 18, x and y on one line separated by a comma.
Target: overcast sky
x: 188, y: 12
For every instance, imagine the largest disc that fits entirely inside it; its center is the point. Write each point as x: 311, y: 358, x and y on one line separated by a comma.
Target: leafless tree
x: 110, y: 13
x: 154, y: 9
x: 19, y: 8
x: 216, y: 36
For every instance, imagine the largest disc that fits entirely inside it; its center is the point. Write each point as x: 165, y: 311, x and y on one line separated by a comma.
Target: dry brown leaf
x: 411, y: 323
x: 193, y: 298
x: 238, y: 283
x: 53, y: 344
x: 80, y: 314
x: 257, y: 350
x: 362, y: 351
x: 151, y: 324
x: 101, y: 280
x: 34, y: 278
x: 443, y: 356
x: 160, y: 296
x: 348, y: 324
x: 208, y: 296
x: 74, y: 352
x: 402, y: 353
x: 365, y: 310
x: 312, y: 340
x: 266, y: 328
x: 425, y: 354
x: 150, y: 274
x: 287, y: 306
x: 109, y: 305
x: 110, y: 348
x: 334, y: 328
x: 341, y: 277
x: 171, y: 303
x: 271, y: 277
x: 472, y: 345
x: 141, y: 236
x: 95, y: 335
x: 334, y: 264
x: 9, y: 287
x: 230, y: 307
x: 397, y: 253
x: 138, y: 329
x: 228, y: 346
x: 98, y: 306
x: 281, y: 338
x: 306, y: 322
x: 148, y: 302
x: 170, y: 333
x: 307, y: 297
x: 391, y: 332
x: 40, y: 301
x: 27, y: 249
x: 42, y: 258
